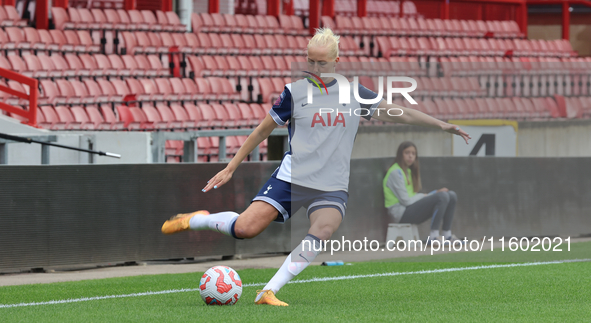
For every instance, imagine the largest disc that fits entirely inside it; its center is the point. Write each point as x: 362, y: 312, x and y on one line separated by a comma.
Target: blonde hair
x: 325, y: 37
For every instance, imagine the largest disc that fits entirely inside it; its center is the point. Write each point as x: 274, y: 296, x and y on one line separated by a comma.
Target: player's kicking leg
x: 323, y: 223
x: 254, y: 220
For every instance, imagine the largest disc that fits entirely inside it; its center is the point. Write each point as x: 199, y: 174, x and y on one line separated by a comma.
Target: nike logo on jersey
x: 327, y: 121
x: 304, y: 104
x: 268, y: 189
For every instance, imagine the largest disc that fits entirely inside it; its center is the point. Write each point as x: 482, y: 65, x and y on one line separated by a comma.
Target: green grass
x: 580, y: 250
x: 548, y: 293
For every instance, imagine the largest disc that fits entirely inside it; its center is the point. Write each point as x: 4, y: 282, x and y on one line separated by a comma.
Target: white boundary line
x: 322, y: 279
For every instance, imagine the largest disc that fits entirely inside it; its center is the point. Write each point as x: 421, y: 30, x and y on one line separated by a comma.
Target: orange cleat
x: 180, y: 222
x: 269, y: 298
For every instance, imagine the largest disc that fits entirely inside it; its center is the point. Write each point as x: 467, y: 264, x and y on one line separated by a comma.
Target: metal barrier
x: 190, y: 138
x: 44, y: 148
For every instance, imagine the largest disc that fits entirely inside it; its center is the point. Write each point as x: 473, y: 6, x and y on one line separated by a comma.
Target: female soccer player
x: 401, y: 186
x: 314, y: 173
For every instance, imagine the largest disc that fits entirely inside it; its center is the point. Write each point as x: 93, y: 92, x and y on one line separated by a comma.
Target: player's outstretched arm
x: 256, y: 137
x: 415, y: 117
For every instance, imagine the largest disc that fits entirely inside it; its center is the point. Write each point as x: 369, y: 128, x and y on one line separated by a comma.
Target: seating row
x: 17, y: 39
x: 85, y: 65
x: 10, y: 17
x: 141, y: 90
x: 247, y: 24
x: 160, y: 116
x: 438, y: 46
x: 476, y: 65
x: 348, y: 8
x: 386, y: 26
x: 116, y: 19
x: 504, y: 108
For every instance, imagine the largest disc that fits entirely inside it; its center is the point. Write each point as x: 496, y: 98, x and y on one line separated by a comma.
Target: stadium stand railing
x: 19, y: 97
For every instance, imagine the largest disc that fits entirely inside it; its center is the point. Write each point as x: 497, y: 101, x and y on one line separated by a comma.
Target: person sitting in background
x: 401, y: 186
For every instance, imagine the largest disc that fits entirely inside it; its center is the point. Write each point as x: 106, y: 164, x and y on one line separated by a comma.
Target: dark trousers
x: 439, y: 207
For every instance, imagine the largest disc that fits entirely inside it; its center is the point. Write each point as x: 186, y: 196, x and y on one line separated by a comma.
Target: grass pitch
x: 414, y: 290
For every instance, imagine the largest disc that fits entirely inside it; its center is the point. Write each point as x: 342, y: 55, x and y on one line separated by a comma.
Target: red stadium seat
x: 66, y: 115
x: 205, y: 88
x: 197, y: 24
x: 258, y: 111
x: 242, y: 24
x: 248, y: 114
x: 33, y: 38
x: 148, y: 117
x: 128, y: 119
x: 4, y: 21
x: 52, y: 120
x: 61, y: 19
x: 235, y: 114
x: 50, y: 93
x: 144, y: 64
x: 194, y: 115
x: 181, y: 115
x: 67, y: 90
x: 164, y: 87
x: 95, y: 116
x: 113, y: 18
x: 191, y: 87
x: 209, y: 115
x: 165, y: 114
x: 34, y: 66
x: 222, y: 114
x: 16, y: 36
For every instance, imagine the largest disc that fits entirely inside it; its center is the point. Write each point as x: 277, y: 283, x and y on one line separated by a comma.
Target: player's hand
x: 444, y: 189
x: 456, y: 131
x: 219, y: 179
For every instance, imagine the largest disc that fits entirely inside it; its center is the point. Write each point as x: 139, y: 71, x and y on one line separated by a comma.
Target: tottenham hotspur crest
x: 268, y: 189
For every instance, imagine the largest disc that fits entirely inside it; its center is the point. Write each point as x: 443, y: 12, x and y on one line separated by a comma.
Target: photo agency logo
x: 345, y: 89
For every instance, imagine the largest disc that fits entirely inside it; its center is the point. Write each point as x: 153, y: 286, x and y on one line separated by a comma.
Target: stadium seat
x: 16, y: 36
x: 128, y: 119
x: 223, y: 115
x: 248, y: 114
x: 573, y: 107
x: 34, y: 67
x: 32, y: 37
x: 4, y: 21
x: 162, y: 115
x: 242, y: 24
x: 149, y: 118
x: 191, y: 87
x: 209, y: 116
x: 156, y: 64
x: 235, y: 114
x: 258, y: 111
x: 68, y: 92
x: 52, y: 120
x: 97, y: 119
x: 50, y: 93
x: 180, y: 114
x: 65, y: 114
x: 222, y: 88
x: 163, y: 86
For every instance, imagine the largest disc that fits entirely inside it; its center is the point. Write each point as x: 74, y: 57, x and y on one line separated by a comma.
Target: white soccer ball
x: 220, y: 285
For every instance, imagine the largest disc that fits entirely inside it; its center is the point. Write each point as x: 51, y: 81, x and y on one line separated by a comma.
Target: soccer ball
x: 220, y: 285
